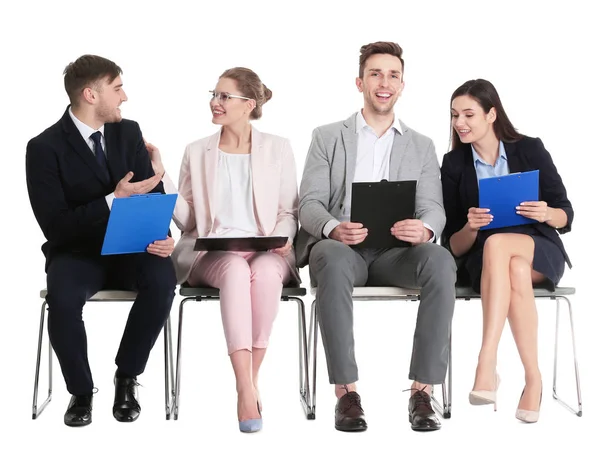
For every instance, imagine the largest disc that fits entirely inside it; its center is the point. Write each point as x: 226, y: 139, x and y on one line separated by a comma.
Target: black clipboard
x: 241, y: 244
x: 378, y: 206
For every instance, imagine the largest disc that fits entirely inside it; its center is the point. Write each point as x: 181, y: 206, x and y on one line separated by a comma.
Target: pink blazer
x: 274, y: 188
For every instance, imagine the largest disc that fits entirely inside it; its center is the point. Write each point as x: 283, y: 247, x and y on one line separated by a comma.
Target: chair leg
x: 445, y: 409
x: 312, y: 360
x: 577, y: 412
x: 169, y: 374
x: 35, y: 411
x: 179, y: 351
x: 303, y: 359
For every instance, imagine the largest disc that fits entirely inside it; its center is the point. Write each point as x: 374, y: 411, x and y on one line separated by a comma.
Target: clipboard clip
x: 150, y: 194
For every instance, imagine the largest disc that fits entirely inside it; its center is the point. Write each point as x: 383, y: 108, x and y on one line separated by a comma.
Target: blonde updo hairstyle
x: 250, y: 86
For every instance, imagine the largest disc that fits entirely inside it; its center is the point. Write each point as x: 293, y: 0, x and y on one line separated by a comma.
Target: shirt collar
x: 362, y: 123
x: 477, y: 158
x: 85, y: 130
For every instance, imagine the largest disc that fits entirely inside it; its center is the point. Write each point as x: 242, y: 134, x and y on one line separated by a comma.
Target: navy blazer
x: 461, y: 191
x: 67, y: 186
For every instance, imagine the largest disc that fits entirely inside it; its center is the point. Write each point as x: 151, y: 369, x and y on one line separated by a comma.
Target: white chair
x: 103, y: 295
x: 462, y: 293
x: 212, y: 294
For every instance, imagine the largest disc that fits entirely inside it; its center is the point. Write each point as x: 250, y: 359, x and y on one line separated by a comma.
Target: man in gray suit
x: 373, y: 145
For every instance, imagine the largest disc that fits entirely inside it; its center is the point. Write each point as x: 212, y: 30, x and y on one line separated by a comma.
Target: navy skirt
x: 548, y: 260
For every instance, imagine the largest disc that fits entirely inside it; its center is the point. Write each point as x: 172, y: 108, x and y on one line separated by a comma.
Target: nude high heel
x: 529, y: 416
x: 485, y: 397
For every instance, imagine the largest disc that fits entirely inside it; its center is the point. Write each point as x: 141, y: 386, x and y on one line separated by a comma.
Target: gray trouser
x: 336, y: 268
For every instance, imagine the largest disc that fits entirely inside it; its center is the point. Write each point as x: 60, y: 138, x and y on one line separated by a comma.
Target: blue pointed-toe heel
x: 251, y: 425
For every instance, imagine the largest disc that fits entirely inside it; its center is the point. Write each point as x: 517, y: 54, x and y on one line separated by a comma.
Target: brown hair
x: 87, y: 70
x: 487, y: 97
x: 380, y: 47
x: 250, y: 85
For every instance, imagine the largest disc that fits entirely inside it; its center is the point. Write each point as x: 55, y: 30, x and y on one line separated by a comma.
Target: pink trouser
x: 250, y: 285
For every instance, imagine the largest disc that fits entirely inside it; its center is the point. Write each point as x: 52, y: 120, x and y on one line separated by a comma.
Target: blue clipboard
x: 503, y: 194
x: 137, y: 221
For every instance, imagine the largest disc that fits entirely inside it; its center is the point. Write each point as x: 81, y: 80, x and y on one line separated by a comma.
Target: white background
x: 541, y: 56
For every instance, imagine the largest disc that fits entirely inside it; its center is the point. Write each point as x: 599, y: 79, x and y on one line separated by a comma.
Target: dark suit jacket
x: 461, y: 191
x: 67, y: 188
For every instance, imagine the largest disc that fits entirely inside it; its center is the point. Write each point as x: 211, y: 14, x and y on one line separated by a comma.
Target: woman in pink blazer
x: 238, y: 182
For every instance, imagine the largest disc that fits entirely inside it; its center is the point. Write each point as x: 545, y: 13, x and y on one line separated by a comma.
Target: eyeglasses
x: 224, y: 97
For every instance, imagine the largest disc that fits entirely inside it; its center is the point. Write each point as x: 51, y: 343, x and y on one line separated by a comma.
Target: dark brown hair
x: 487, y: 97
x: 380, y: 47
x: 88, y: 70
x: 250, y: 85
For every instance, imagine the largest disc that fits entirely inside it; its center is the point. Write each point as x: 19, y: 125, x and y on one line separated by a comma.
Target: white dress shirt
x: 235, y: 203
x: 372, y: 163
x: 86, y: 132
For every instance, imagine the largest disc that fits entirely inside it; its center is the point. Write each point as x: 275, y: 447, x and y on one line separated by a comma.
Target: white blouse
x: 235, y: 204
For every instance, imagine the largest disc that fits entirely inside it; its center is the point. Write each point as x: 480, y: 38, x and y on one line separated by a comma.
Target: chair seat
x: 461, y: 292
x: 186, y: 290
x: 105, y: 295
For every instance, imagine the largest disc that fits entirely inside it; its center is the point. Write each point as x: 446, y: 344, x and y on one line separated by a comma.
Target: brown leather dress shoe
x: 349, y: 415
x: 421, y: 414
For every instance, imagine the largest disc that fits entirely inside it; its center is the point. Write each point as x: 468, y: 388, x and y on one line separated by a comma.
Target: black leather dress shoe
x: 349, y: 415
x: 421, y: 414
x: 126, y: 407
x: 79, y: 411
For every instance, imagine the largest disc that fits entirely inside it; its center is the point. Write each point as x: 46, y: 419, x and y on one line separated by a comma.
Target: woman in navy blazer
x: 502, y: 264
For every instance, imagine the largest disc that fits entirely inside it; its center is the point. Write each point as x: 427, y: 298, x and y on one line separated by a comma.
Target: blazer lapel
x: 515, y: 164
x: 471, y: 186
x: 211, y: 168
x: 350, y: 140
x: 116, y: 160
x: 260, y: 190
x: 81, y: 147
x: 398, y: 149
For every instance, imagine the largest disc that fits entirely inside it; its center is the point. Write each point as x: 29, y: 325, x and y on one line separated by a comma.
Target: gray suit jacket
x: 329, y: 173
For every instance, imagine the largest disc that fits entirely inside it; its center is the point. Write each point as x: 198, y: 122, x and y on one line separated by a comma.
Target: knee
x: 65, y: 302
x: 267, y: 268
x: 158, y: 275
x: 330, y: 256
x: 235, y: 270
x: 439, y: 264
x: 494, y: 245
x: 520, y: 272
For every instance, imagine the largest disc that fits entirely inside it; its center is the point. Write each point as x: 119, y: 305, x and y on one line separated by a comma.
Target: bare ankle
x: 533, y: 377
x: 340, y: 390
x: 486, y: 359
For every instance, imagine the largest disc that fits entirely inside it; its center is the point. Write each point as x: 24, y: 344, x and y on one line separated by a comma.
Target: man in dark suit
x: 75, y: 169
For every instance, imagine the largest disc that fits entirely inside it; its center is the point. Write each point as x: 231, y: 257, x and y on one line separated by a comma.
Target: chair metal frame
x: 375, y: 294
x: 103, y: 295
x: 559, y: 294
x: 213, y: 294
x: 462, y: 293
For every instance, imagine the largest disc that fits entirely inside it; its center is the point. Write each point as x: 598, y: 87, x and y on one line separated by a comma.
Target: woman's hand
x: 478, y: 217
x: 538, y: 211
x: 284, y: 250
x: 155, y: 158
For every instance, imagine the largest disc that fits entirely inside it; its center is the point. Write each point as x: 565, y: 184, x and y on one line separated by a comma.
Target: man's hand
x: 162, y: 248
x: 412, y: 231
x: 349, y: 233
x: 284, y: 250
x: 125, y: 188
x: 155, y: 159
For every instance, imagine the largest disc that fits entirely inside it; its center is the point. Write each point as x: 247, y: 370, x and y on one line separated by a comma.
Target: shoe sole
x: 478, y: 400
x: 78, y: 424
x: 351, y: 429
